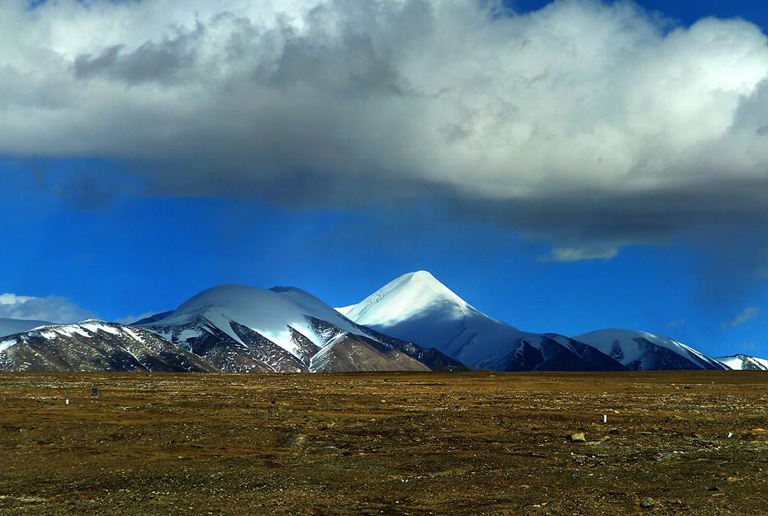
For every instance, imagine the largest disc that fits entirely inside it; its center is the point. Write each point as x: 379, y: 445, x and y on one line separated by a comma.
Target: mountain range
x: 414, y: 323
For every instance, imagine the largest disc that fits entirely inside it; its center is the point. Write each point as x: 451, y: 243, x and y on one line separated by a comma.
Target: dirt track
x: 384, y: 444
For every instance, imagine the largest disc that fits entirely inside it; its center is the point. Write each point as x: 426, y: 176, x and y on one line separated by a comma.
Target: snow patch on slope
x: 88, y: 329
x: 737, y: 362
x: 84, y: 329
x: 344, y: 310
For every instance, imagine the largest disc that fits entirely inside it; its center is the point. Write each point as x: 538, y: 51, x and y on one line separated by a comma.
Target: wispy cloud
x: 748, y: 314
x: 49, y: 309
x: 577, y: 254
x: 674, y: 324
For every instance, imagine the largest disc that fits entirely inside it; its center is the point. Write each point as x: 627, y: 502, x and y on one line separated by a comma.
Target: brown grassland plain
x: 429, y: 443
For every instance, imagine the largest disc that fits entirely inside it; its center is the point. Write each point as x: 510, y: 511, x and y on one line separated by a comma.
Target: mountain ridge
x: 414, y: 322
x: 417, y: 307
x: 742, y: 362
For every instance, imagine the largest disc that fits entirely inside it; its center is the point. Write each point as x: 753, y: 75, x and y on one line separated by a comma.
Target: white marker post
x: 66, y: 401
x: 605, y: 418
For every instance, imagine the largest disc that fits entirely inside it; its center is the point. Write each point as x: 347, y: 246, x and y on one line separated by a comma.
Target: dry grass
x: 384, y: 444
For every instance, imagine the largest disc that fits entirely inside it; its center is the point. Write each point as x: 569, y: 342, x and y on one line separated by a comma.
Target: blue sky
x: 122, y: 237
x: 685, y: 11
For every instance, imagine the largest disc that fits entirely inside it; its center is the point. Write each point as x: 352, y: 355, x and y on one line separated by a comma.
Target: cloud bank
x: 51, y: 309
x: 594, y: 125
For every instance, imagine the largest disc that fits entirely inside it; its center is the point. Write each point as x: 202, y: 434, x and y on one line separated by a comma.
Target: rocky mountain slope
x: 95, y: 346
x: 641, y: 351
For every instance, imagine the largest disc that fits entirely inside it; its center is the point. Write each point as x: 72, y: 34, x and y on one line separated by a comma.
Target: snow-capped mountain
x: 418, y: 308
x: 744, y: 363
x: 414, y: 323
x: 242, y: 329
x: 641, y: 351
x: 11, y: 326
x: 94, y: 346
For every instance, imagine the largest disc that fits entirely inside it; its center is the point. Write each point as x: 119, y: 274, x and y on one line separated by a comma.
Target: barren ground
x: 384, y: 444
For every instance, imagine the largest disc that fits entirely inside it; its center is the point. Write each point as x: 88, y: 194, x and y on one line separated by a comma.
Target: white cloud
x: 49, y: 309
x: 748, y: 314
x: 634, y: 123
x: 13, y: 299
x: 576, y: 254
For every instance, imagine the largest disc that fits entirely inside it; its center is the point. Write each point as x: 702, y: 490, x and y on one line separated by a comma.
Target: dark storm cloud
x: 653, y: 216
x: 592, y: 125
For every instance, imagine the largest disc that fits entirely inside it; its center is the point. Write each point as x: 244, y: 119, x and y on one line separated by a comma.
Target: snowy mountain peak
x: 227, y: 296
x: 421, y: 275
x: 410, y: 294
x: 276, y: 314
x: 270, y: 305
x: 425, y: 283
x: 418, y: 308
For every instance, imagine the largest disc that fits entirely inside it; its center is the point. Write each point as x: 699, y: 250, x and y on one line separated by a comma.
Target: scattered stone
x: 300, y: 441
x: 648, y: 503
x: 578, y: 437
